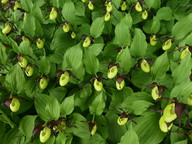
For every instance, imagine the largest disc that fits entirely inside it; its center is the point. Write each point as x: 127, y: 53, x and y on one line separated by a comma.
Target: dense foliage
x: 95, y: 72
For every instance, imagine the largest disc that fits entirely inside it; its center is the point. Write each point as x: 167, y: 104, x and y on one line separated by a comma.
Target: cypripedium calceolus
x: 40, y: 43
x: 66, y: 27
x: 167, y: 44
x: 138, y: 7
x: 98, y: 85
x: 164, y: 126
x: 64, y: 78
x: 153, y: 40
x: 14, y: 105
x: 157, y: 91
x: 26, y: 39
x: 87, y: 42
x: 43, y: 82
x: 16, y: 6
x: 145, y: 67
x: 6, y: 29
x: 185, y: 52
x: 144, y: 14
x: 92, y: 128
x: 107, y: 16
x: 122, y: 119
x: 124, y: 6
x: 53, y: 14
x: 73, y: 35
x: 109, y: 6
x: 29, y: 70
x: 22, y: 61
x: 112, y: 70
x: 169, y: 113
x: 120, y: 82
x: 90, y: 5
x: 45, y: 134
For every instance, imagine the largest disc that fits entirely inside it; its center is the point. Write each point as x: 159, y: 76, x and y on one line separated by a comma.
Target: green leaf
x: 61, y: 138
x: 97, y: 105
x: 59, y: 93
x: 73, y: 57
x: 44, y: 65
x: 161, y: 66
x: 125, y: 60
x: 67, y: 105
x: 95, y: 49
x: 37, y: 13
x: 182, y: 27
x: 53, y: 108
x: 153, y: 4
x: 182, y: 142
x: 183, y: 71
x: 68, y: 11
x: 122, y: 33
x: 130, y: 136
x: 29, y: 25
x: 155, y: 26
x: 26, y: 126
x: 115, y: 131
x: 176, y: 137
x: 24, y: 48
x: 16, y: 79
x: 189, y: 39
x: 139, y: 44
x: 140, y: 106
x: 13, y: 136
x: 182, y: 91
x: 51, y: 140
x: 26, y: 5
x: 91, y: 62
x: 148, y: 128
x: 40, y: 103
x: 97, y: 27
x: 164, y: 13
x: 79, y: 10
x: 3, y: 56
x: 60, y: 43
x: 82, y: 129
x: 137, y: 98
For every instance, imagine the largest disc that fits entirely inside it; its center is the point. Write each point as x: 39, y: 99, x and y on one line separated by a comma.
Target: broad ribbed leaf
x: 183, y: 71
x: 44, y: 65
x: 161, y: 66
x: 182, y: 27
x: 122, y: 33
x: 91, y: 62
x: 148, y: 129
x: 164, y: 13
x: 40, y: 103
x: 97, y: 105
x: 53, y: 108
x: 29, y: 25
x: 67, y: 105
x: 125, y: 60
x: 15, y: 79
x: 95, y: 49
x: 130, y: 137
x: 97, y: 27
x: 68, y: 11
x: 139, y: 44
x: 26, y: 126
x: 73, y: 57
